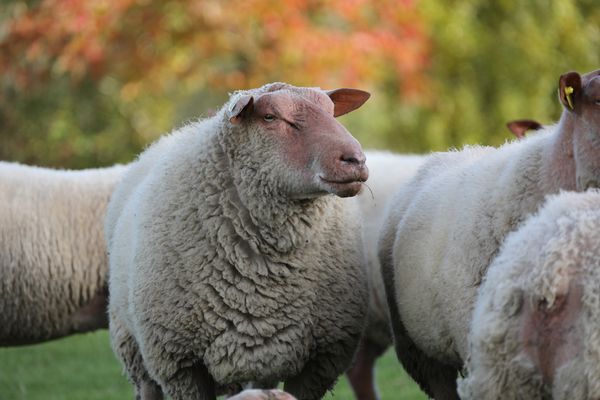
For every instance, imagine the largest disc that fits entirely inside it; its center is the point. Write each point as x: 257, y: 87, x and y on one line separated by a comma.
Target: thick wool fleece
x: 552, y: 253
x: 210, y: 266
x: 442, y: 231
x: 388, y: 172
x: 52, y: 252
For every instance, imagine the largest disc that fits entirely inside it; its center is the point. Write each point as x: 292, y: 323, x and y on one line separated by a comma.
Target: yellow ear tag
x: 568, y: 91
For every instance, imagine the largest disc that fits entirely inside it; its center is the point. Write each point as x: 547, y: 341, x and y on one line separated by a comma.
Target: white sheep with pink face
x: 233, y: 258
x: 535, y: 332
x: 444, y: 228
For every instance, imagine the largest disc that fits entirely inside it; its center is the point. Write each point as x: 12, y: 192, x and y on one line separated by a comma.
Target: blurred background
x: 90, y: 82
x: 87, y: 83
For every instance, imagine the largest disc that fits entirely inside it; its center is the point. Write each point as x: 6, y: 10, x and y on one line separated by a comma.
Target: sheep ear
x: 242, y: 108
x: 569, y: 90
x: 519, y: 126
x: 346, y: 100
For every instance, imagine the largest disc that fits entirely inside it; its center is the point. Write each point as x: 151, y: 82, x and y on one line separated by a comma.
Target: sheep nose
x: 354, y: 158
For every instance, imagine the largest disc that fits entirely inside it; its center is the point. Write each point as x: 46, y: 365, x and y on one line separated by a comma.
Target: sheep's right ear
x: 242, y: 108
x: 519, y: 126
x: 346, y: 100
x: 569, y: 90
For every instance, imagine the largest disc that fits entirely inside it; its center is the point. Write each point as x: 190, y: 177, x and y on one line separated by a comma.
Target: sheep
x: 445, y: 226
x: 229, y: 259
x: 387, y: 172
x: 53, y: 261
x: 535, y: 331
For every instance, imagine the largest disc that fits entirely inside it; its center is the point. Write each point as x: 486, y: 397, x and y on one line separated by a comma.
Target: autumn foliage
x: 90, y: 82
x: 149, y: 45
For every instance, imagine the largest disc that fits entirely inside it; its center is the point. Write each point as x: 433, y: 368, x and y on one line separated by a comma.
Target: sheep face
x: 580, y: 95
x: 289, y: 138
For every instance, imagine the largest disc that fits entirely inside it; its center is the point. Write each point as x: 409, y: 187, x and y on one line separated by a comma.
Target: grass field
x: 83, y: 367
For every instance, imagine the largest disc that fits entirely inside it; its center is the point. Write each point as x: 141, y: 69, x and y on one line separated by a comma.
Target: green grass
x: 83, y: 367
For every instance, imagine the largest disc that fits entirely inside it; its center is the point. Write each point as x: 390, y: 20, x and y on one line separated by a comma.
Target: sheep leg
x: 320, y: 373
x: 361, y: 375
x: 191, y: 383
x: 127, y: 351
x: 180, y: 373
x: 312, y: 382
x: 148, y: 391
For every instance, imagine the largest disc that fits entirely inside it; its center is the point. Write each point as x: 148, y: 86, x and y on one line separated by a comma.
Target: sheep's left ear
x: 569, y: 90
x: 242, y: 108
x: 346, y: 100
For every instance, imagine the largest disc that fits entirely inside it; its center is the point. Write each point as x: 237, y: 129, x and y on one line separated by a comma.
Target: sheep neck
x: 558, y: 163
x: 264, y: 216
x: 275, y: 223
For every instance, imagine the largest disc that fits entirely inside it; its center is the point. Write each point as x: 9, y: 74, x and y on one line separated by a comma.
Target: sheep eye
x: 269, y: 118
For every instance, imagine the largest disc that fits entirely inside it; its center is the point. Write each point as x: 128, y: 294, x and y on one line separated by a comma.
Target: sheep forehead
x: 286, y: 100
x: 296, y: 96
x: 587, y: 78
x: 592, y: 88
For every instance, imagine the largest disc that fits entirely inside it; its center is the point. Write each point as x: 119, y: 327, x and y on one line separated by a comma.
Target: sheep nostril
x: 353, y: 159
x: 350, y: 160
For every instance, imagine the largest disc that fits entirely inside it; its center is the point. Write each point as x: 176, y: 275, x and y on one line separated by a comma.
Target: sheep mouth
x: 343, y: 187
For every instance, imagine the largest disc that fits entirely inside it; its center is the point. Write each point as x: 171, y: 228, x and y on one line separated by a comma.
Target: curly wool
x: 536, y: 264
x: 52, y: 252
x: 254, y: 289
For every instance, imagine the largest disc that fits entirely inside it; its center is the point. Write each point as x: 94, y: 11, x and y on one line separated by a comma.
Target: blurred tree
x: 89, y: 82
x: 497, y: 61
x: 107, y: 76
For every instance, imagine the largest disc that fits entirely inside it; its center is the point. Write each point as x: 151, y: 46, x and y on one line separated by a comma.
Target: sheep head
x: 580, y: 96
x: 289, y: 138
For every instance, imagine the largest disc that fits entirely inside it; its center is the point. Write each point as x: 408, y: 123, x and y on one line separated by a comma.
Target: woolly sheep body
x: 204, y: 275
x: 52, y: 254
x: 443, y: 230
x: 542, y: 261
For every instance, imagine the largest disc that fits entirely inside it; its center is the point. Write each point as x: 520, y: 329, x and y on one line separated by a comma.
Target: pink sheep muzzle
x: 347, y: 179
